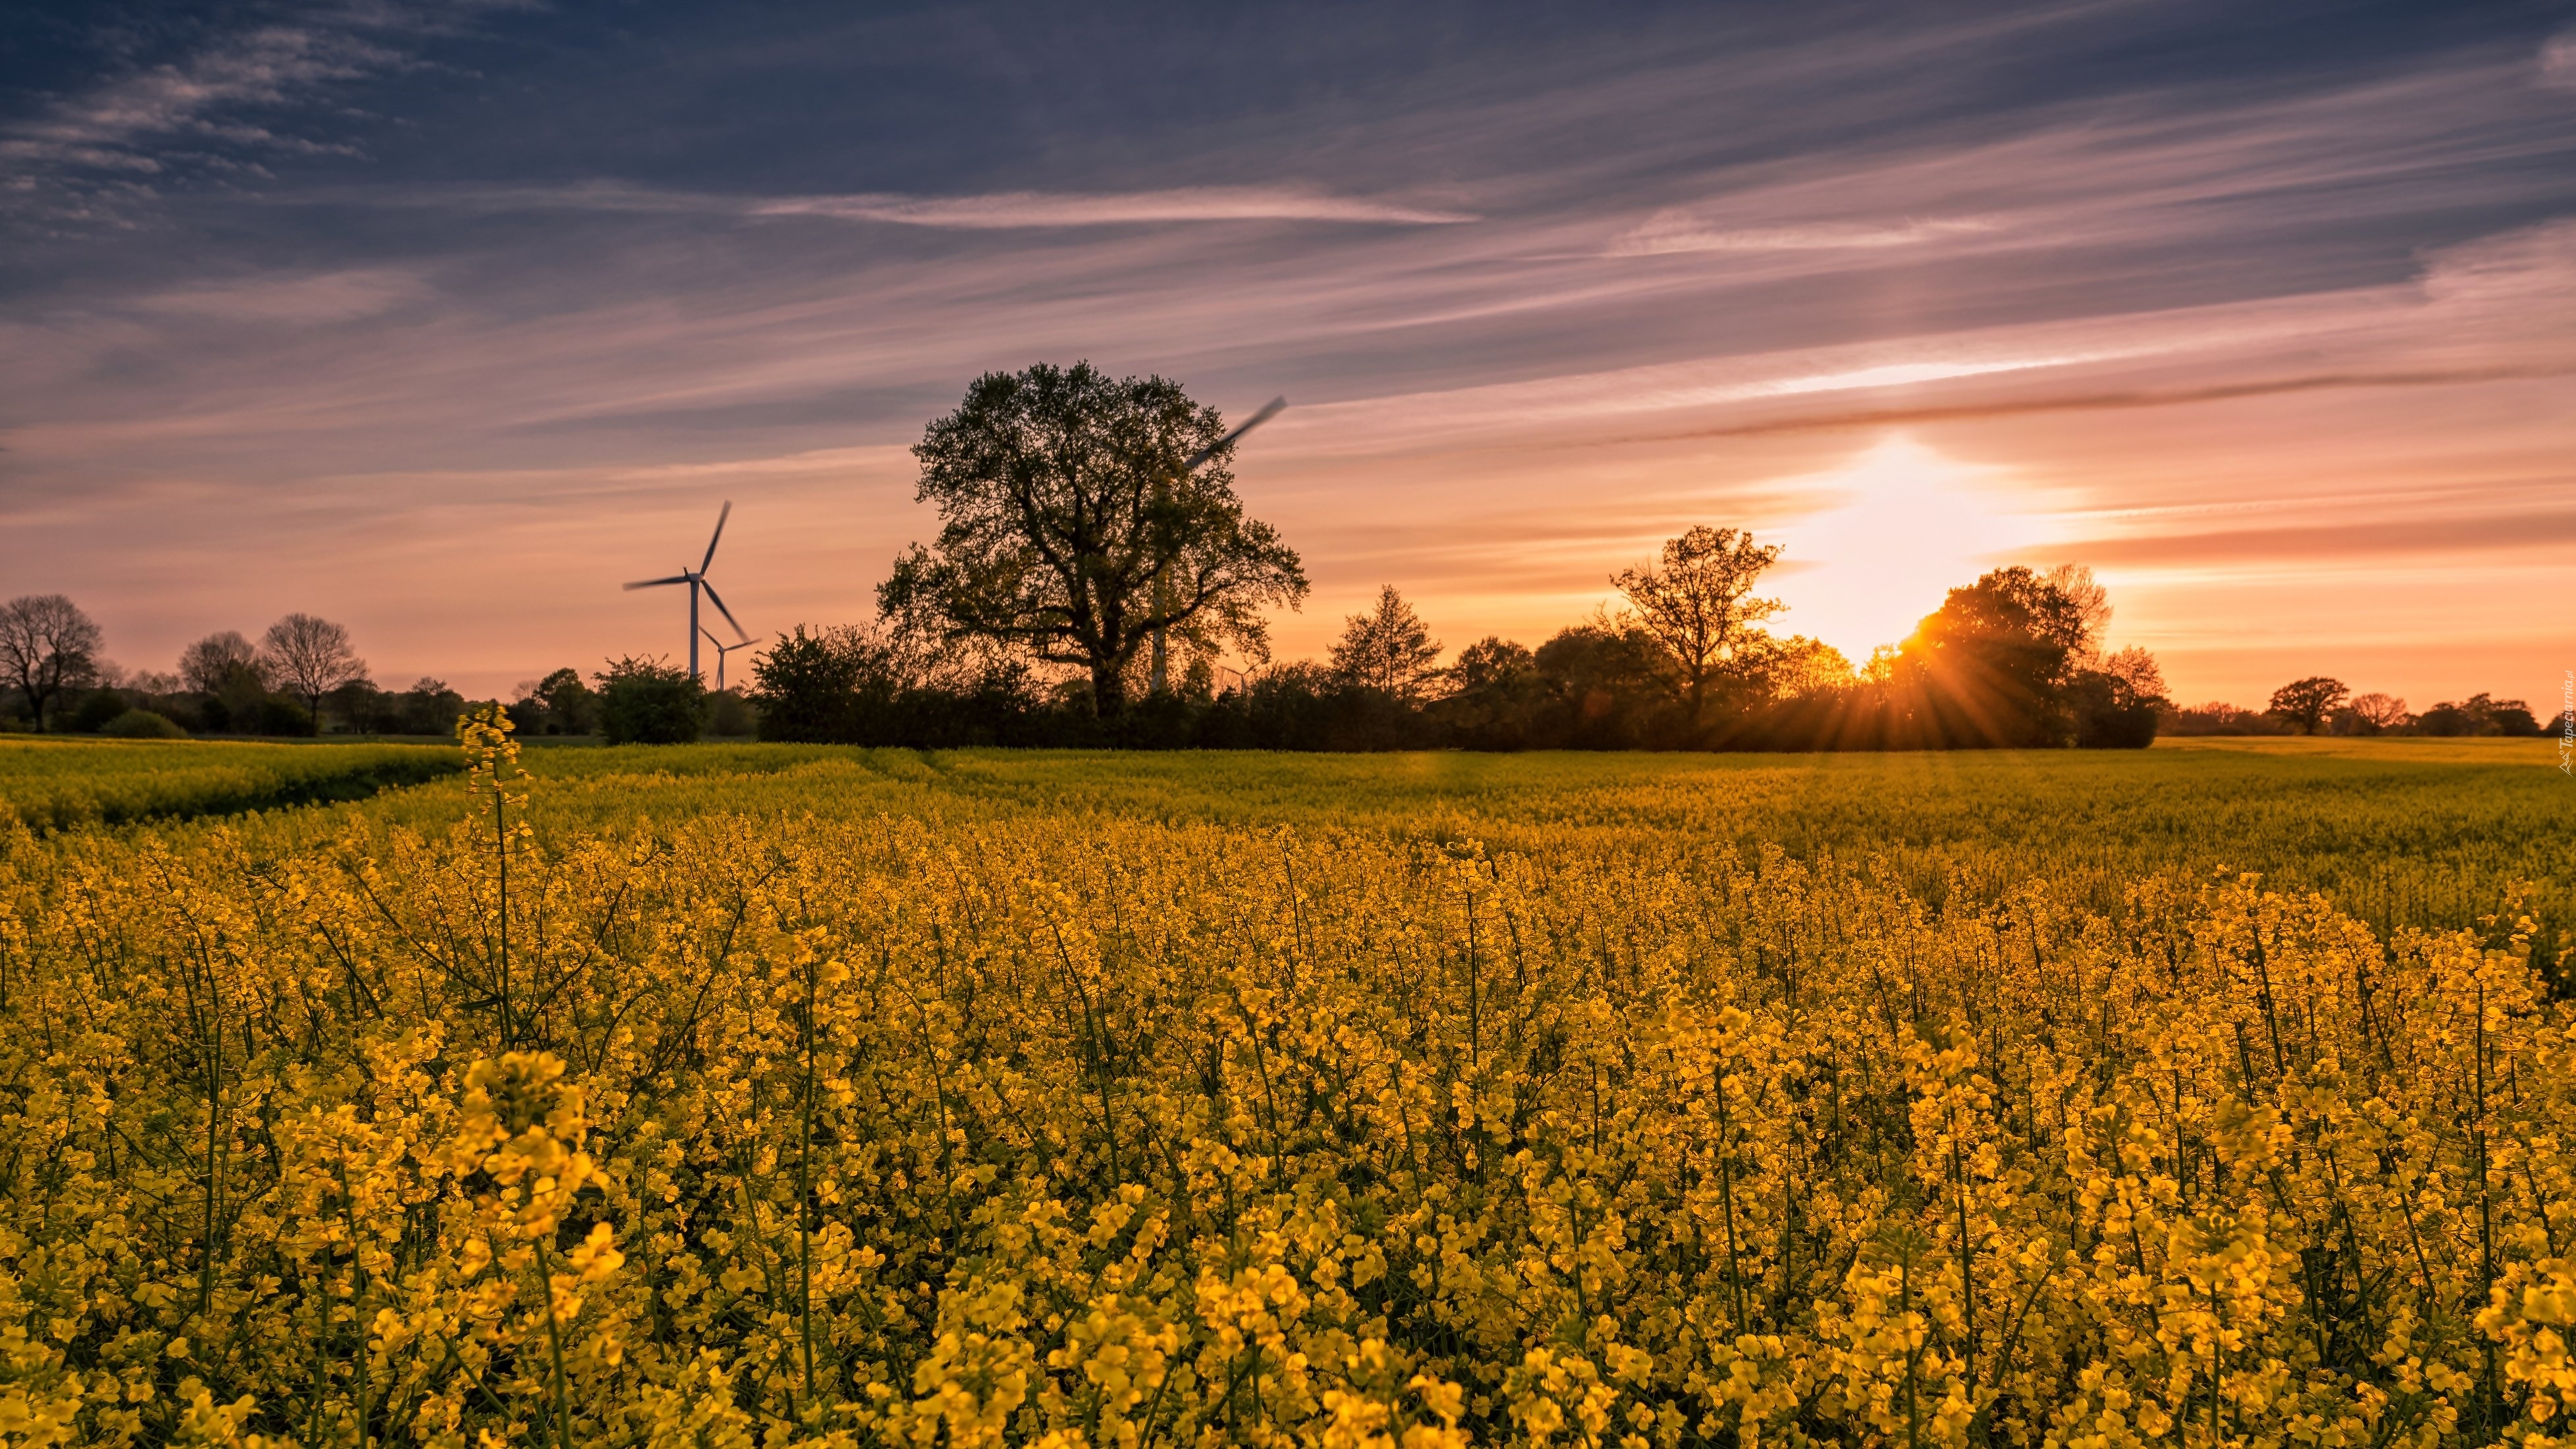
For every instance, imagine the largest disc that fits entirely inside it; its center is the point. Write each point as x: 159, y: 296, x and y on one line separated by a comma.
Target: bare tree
x: 1387, y: 648
x: 47, y: 645
x: 1696, y: 603
x: 310, y: 657
x: 2087, y: 602
x: 2382, y: 712
x: 2137, y: 672
x: 212, y: 662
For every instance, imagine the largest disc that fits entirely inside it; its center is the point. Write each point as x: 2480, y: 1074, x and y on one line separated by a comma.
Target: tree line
x: 1094, y: 571
x: 2320, y: 705
x: 303, y: 677
x: 51, y: 655
x: 2014, y: 659
x: 1089, y: 525
x: 1090, y: 533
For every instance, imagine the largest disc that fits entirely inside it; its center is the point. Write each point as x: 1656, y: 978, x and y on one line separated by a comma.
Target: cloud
x: 2138, y: 295
x: 1868, y: 418
x: 991, y: 211
x: 214, y: 111
x: 1677, y: 230
x: 294, y: 300
x: 2558, y: 62
x: 112, y: 126
x: 1009, y: 209
x: 2545, y: 529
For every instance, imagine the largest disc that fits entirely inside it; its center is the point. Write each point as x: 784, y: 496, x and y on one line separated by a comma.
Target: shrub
x: 730, y: 716
x: 279, y: 715
x: 142, y: 724
x: 648, y: 702
x: 96, y: 709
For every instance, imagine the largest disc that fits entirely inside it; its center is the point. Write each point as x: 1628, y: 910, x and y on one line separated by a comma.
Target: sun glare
x: 1901, y: 525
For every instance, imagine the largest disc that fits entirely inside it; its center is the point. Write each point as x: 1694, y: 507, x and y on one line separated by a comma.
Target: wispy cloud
x: 2117, y: 401
x: 2558, y: 61
x: 120, y: 125
x: 991, y: 211
x: 292, y: 300
x: 241, y: 100
x: 1011, y: 209
x: 1678, y: 230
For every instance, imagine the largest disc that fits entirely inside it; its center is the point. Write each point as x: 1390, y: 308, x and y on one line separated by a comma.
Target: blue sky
x: 444, y: 319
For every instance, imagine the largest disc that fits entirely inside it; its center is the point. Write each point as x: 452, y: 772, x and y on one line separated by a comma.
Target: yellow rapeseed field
x: 1076, y: 1127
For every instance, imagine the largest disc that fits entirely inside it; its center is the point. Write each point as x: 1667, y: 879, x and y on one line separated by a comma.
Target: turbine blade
x: 718, y: 600
x: 1268, y: 411
x: 657, y: 583
x: 721, y: 515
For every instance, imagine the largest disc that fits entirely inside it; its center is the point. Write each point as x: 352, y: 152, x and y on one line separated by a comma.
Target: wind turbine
x: 1162, y: 605
x: 722, y: 649
x: 696, y: 579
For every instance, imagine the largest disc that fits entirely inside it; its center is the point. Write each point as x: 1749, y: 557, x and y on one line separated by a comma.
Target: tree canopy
x: 1696, y: 601
x: 1071, y: 533
x: 2305, y: 703
x: 1387, y: 648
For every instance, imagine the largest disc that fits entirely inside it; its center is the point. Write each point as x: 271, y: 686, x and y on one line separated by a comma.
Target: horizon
x: 445, y: 323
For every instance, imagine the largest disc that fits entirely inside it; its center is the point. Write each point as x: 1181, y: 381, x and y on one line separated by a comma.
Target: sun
x: 1901, y: 525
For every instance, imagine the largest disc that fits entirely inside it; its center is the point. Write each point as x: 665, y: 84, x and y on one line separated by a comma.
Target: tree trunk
x: 1108, y: 690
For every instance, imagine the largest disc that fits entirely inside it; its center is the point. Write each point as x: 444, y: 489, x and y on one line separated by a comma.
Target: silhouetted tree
x: 309, y: 657
x: 47, y: 645
x: 2117, y: 706
x: 2087, y: 611
x: 2478, y: 714
x: 2378, y: 713
x: 648, y: 702
x: 429, y: 707
x: 1495, y: 695
x: 1989, y: 666
x: 208, y: 665
x: 1070, y: 532
x: 813, y: 686
x: 1796, y: 667
x: 2303, y: 704
x: 96, y: 709
x: 1387, y: 648
x: 1696, y: 601
x: 1606, y: 683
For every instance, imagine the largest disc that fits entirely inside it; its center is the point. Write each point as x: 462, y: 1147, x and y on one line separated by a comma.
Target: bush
x: 647, y: 702
x: 100, y: 707
x: 2109, y: 715
x: 279, y: 715
x: 142, y: 724
x: 730, y: 716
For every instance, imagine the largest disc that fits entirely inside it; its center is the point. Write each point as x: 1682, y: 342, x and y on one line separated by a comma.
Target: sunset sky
x: 441, y: 320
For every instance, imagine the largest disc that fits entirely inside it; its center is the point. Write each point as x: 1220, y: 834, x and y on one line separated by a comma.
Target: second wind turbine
x: 696, y: 579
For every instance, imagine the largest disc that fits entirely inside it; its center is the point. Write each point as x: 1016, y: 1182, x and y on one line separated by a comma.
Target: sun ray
x: 1908, y: 524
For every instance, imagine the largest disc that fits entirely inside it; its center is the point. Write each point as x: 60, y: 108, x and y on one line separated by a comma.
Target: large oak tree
x: 1071, y: 532
x: 2305, y: 703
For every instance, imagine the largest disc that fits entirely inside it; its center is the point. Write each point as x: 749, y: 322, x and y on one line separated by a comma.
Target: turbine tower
x: 722, y: 649
x: 696, y: 579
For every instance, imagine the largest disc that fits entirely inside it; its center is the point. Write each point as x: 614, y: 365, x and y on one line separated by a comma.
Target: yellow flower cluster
x: 1071, y: 1129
